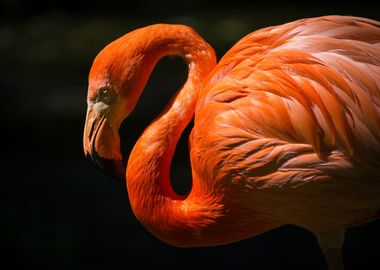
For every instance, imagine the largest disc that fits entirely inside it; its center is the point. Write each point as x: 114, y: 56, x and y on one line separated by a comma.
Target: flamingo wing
x: 293, y: 104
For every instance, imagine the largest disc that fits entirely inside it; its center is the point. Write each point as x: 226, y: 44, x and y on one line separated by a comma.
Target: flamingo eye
x: 104, y: 94
x: 104, y: 91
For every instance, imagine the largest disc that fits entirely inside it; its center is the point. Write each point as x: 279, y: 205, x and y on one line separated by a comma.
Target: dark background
x: 59, y: 212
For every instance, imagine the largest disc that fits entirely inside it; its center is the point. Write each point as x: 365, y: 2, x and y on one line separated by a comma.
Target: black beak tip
x: 114, y: 168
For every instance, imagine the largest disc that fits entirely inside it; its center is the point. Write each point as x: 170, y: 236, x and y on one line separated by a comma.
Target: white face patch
x: 100, y: 107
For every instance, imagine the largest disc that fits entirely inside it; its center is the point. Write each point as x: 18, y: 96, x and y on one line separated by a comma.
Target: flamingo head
x: 115, y: 83
x: 101, y: 139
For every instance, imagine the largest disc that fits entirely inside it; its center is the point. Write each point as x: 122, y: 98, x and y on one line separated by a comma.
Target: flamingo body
x: 296, y: 108
x: 286, y: 130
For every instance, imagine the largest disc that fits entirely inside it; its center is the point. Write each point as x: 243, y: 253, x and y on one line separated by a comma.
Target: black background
x: 59, y: 212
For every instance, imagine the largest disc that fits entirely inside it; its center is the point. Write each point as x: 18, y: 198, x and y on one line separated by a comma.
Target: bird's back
x: 293, y: 104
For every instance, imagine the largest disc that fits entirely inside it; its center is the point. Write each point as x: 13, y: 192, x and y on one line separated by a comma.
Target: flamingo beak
x: 101, y: 145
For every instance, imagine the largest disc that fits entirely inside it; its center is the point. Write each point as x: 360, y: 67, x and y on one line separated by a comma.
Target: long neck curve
x: 172, y: 218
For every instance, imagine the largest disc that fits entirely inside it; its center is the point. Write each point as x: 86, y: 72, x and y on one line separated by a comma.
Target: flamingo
x: 286, y: 131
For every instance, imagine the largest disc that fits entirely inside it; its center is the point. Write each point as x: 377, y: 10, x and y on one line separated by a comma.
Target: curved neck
x: 172, y: 218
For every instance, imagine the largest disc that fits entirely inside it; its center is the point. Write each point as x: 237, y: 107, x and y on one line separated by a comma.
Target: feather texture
x: 313, y: 82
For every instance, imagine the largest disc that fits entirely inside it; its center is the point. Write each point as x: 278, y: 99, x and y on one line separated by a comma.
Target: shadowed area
x: 59, y: 212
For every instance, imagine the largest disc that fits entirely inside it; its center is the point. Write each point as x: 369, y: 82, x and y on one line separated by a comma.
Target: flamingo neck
x: 172, y: 218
